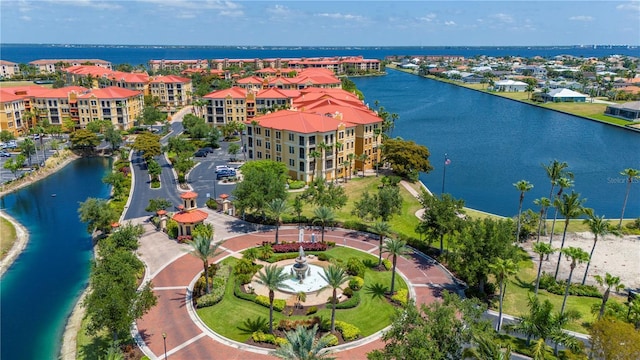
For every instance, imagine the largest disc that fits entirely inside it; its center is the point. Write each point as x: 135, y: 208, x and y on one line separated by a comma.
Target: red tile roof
x: 251, y: 80
x: 272, y: 93
x: 299, y: 121
x: 189, y: 195
x: 234, y: 92
x: 193, y: 216
x: 112, y: 92
x: 86, y: 70
x: 8, y: 96
x: 170, y: 79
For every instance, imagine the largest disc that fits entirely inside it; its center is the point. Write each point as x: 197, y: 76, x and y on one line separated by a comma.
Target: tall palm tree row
x: 522, y: 186
x: 631, y: 174
x: 276, y: 208
x: 544, y: 203
x: 334, y: 276
x: 203, y: 250
x: 571, y: 208
x: 395, y: 248
x: 502, y: 269
x: 576, y: 256
x: 273, y: 278
x: 598, y: 227
x: 541, y: 249
x: 611, y: 282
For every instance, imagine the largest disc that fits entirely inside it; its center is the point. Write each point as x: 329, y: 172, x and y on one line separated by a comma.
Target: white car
x: 222, y: 167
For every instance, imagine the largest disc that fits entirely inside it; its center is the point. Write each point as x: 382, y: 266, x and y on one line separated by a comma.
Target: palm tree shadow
x: 181, y: 296
x: 523, y: 284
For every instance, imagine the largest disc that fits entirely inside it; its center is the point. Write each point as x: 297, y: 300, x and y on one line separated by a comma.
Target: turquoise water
x: 38, y: 292
x: 494, y: 142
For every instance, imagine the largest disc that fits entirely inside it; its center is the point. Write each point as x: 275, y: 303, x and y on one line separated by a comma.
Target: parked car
x: 4, y: 153
x: 12, y: 144
x: 225, y: 174
x: 200, y: 153
x: 35, y: 136
x: 222, y: 168
x: 207, y: 149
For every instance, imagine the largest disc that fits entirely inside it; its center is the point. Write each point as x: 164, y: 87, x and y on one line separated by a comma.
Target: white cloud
x: 505, y: 18
x: 581, y: 18
x: 630, y: 6
x: 450, y: 23
x: 186, y: 15
x: 340, y: 16
x: 95, y: 4
x: 227, y: 8
x: 232, y: 13
x: 279, y: 10
x: 25, y: 18
x: 428, y: 18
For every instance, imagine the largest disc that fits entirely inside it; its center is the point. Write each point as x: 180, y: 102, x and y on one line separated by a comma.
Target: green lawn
x: 235, y: 311
x: 8, y: 236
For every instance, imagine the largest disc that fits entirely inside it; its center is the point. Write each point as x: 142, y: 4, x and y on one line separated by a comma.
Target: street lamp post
x: 164, y: 338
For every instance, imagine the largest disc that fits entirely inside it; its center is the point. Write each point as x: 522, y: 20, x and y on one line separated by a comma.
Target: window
x: 278, y: 159
x: 291, y: 150
x: 258, y: 131
x: 278, y: 147
x: 267, y: 156
x: 301, y: 167
x: 291, y: 137
x: 341, y: 135
x: 312, y: 140
x: 301, y: 153
x: 292, y: 163
x: 259, y: 154
x: 267, y: 145
x: 258, y: 142
x: 278, y: 135
x: 301, y: 140
x: 267, y: 132
x: 249, y: 131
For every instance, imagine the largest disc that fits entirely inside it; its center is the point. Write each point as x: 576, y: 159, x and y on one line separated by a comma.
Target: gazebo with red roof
x: 189, y: 215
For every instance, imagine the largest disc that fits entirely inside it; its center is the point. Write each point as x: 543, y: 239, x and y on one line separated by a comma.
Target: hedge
x: 547, y: 282
x: 259, y: 336
x: 356, y: 283
x: 352, y: 302
x: 278, y: 304
x: 219, y: 283
x: 401, y: 297
x: 237, y: 291
x: 349, y: 332
x: 293, y: 247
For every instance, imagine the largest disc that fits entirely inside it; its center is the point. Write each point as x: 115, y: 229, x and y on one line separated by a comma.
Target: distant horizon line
x: 327, y: 46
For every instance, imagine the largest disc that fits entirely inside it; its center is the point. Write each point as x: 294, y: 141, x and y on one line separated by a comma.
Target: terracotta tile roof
x: 170, y: 79
x: 86, y: 70
x: 5, y: 62
x: 272, y: 93
x: 347, y: 113
x: 251, y: 80
x: 112, y: 92
x: 8, y: 96
x: 234, y: 92
x: 193, y: 216
x: 26, y: 91
x: 129, y: 77
x: 189, y: 195
x: 61, y: 92
x: 300, y: 122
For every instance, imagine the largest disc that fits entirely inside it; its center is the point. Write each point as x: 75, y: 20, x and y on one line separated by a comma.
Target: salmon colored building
x: 189, y: 215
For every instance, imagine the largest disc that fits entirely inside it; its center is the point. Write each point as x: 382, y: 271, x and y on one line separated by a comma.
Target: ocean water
x: 141, y: 54
x: 38, y: 292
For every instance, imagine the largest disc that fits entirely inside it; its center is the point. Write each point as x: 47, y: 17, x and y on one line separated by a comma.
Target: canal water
x: 38, y: 292
x: 494, y: 142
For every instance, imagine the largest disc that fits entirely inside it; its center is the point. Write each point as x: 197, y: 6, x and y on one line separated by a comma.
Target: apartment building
x: 338, y: 65
x: 225, y: 106
x: 51, y: 65
x: 11, y: 112
x: 177, y: 65
x: 88, y: 75
x: 309, y: 144
x: 8, y: 69
x: 56, y: 105
x: 173, y: 91
x: 119, y: 106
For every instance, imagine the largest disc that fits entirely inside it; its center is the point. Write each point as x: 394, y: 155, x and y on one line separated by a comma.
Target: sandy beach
x: 619, y: 256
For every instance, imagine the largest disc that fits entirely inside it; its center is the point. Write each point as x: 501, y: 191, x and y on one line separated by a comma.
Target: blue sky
x: 320, y: 23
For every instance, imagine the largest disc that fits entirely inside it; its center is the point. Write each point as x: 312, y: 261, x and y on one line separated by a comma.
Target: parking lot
x: 38, y: 158
x: 203, y: 176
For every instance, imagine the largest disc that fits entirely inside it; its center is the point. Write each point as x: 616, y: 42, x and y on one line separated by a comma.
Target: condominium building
x: 51, y: 65
x: 173, y: 91
x: 226, y: 106
x: 56, y: 105
x: 178, y: 65
x: 119, y: 106
x: 8, y: 69
x: 11, y: 112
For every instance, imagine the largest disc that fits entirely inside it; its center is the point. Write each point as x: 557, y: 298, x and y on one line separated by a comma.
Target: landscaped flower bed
x: 292, y: 247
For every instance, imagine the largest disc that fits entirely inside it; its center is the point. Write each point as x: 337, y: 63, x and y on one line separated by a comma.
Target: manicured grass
x: 235, y: 311
x: 91, y: 346
x: 4, y: 84
x: 8, y: 236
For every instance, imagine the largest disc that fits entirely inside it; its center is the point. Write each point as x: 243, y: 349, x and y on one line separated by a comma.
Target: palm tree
x: 577, y: 256
x: 598, y: 227
x: 502, y: 269
x: 555, y: 170
x: 302, y: 345
x: 485, y: 348
x: 631, y: 174
x: 610, y: 282
x: 563, y: 183
x: 363, y: 159
x: 324, y: 215
x: 523, y: 186
x: 324, y: 147
x: 334, y: 276
x: 541, y: 249
x: 571, y: 208
x: 273, y: 277
x: 338, y: 146
x: 544, y: 203
x: 278, y: 207
x: 351, y: 157
x: 301, y: 297
x: 345, y: 165
x: 395, y: 248
x: 383, y: 229
x: 315, y: 155
x: 203, y: 250
x: 376, y: 133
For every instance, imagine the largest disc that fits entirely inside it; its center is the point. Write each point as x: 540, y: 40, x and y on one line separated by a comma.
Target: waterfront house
x: 627, y: 111
x: 8, y: 69
x: 158, y: 65
x: 563, y: 95
x: 52, y: 65
x: 510, y: 86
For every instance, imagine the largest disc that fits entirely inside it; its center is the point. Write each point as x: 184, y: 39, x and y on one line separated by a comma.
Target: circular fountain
x: 304, y: 277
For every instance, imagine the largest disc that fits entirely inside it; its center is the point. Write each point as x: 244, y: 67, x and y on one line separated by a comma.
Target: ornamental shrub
x: 332, y: 340
x: 401, y: 297
x: 348, y: 304
x: 354, y: 225
x: 356, y: 283
x: 387, y: 264
x: 296, y: 184
x: 278, y: 304
x: 323, y: 257
x: 172, y: 228
x: 312, y: 310
x: 294, y: 247
x: 348, y: 292
x: 259, y: 336
x: 237, y: 291
x: 355, y: 267
x: 280, y: 341
x: 349, y: 332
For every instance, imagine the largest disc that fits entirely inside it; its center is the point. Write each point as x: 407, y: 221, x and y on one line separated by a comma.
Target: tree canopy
x: 406, y: 157
x: 263, y: 181
x: 98, y: 215
x: 148, y: 144
x: 84, y: 139
x: 321, y: 193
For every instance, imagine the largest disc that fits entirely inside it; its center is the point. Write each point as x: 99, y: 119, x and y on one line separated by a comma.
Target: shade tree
x: 263, y: 181
x: 406, y: 158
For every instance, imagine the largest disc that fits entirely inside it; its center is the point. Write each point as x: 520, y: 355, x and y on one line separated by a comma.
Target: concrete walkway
x: 173, y: 270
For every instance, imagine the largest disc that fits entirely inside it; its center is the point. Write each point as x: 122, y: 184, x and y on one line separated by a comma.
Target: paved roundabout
x: 173, y: 271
